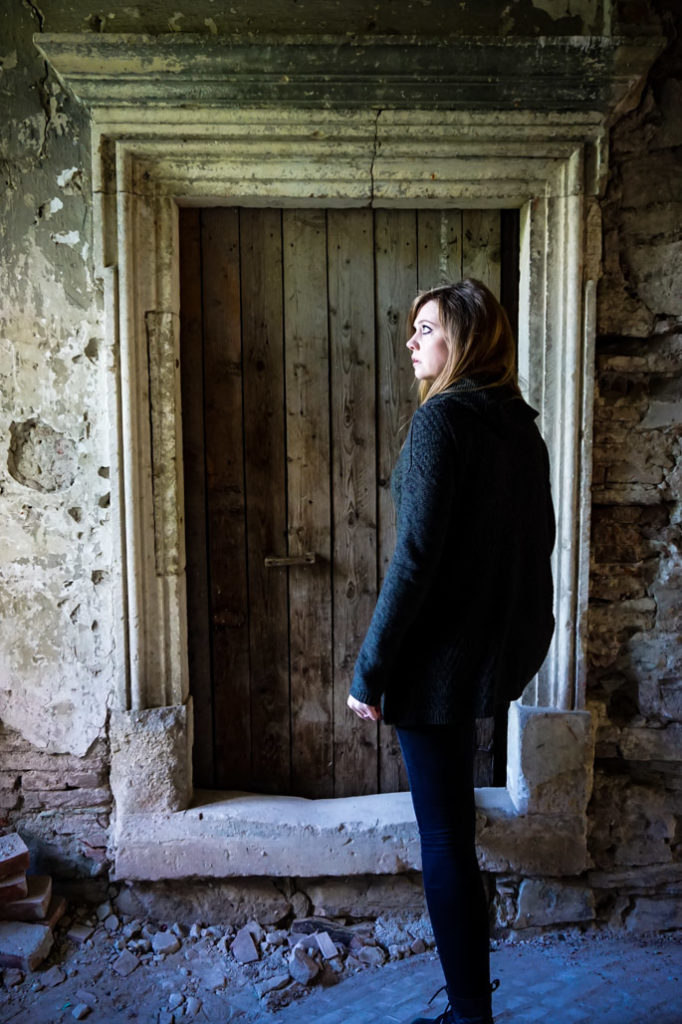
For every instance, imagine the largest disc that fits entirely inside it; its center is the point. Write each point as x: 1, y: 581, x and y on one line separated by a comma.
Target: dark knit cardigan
x: 464, y: 617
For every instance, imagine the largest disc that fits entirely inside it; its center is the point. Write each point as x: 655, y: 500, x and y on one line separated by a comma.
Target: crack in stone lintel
x: 375, y: 146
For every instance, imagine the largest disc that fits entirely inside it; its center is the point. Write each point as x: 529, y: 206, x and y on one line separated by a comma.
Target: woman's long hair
x: 478, y: 335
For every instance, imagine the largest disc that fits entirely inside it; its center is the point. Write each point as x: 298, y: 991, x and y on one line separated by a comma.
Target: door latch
x: 273, y: 562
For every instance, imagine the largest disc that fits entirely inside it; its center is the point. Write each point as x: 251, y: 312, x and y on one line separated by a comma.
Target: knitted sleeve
x: 424, y: 515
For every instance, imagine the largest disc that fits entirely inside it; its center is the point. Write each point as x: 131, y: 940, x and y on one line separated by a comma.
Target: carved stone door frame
x: 351, y: 158
x: 196, y: 144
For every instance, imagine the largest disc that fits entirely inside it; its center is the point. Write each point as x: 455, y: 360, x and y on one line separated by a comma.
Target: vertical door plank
x: 192, y: 376
x: 351, y: 319
x: 483, y: 758
x: 307, y: 407
x: 481, y: 247
x: 509, y: 271
x: 225, y: 507
x: 264, y: 453
x: 439, y: 234
x: 395, y: 261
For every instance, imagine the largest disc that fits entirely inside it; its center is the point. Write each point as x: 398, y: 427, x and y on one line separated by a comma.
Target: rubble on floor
x: 103, y: 959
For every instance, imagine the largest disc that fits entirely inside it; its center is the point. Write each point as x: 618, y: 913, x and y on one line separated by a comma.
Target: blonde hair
x: 478, y: 336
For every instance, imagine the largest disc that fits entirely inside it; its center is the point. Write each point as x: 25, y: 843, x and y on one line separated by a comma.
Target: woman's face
x: 428, y: 347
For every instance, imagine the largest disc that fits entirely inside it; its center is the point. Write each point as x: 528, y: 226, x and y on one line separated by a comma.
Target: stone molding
x: 548, y: 166
x: 555, y: 73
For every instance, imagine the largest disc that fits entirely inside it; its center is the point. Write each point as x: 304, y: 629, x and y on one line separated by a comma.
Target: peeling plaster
x: 66, y: 238
x: 40, y: 457
x: 58, y: 661
x: 8, y: 62
x: 71, y: 180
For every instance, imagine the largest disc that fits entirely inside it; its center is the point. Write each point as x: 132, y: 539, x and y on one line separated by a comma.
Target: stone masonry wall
x: 635, y: 649
x: 60, y: 664
x: 59, y: 803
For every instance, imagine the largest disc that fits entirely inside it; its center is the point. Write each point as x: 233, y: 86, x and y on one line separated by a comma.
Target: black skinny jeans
x: 439, y: 761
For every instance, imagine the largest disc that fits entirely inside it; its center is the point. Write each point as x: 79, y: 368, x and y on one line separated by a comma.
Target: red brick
x: 67, y: 798
x: 79, y: 932
x: 33, y: 906
x: 14, y: 887
x: 14, y: 855
x: 9, y: 799
x: 55, y: 911
x: 71, y: 778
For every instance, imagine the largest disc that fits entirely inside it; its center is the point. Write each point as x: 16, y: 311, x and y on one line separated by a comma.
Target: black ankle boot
x: 476, y: 1013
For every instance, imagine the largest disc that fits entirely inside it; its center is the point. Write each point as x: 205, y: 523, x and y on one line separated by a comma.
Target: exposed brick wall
x: 635, y: 649
x: 59, y: 803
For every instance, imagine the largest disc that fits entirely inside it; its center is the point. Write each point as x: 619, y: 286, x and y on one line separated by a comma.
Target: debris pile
x: 318, y: 950
x: 104, y: 959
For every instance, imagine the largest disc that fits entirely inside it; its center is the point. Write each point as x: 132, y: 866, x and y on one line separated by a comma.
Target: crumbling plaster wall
x: 60, y: 652
x: 59, y: 664
x: 635, y: 674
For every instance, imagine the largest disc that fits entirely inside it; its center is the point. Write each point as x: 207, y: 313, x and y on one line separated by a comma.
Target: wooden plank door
x: 297, y: 393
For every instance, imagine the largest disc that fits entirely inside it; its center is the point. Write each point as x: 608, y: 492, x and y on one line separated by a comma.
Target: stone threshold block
x: 536, y: 826
x: 240, y: 835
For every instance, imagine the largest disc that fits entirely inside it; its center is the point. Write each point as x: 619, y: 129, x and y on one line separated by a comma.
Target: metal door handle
x: 273, y: 562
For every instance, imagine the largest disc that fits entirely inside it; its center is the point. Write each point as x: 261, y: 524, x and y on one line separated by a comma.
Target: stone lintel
x: 450, y: 72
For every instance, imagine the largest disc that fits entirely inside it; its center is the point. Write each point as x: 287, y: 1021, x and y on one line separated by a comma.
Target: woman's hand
x: 364, y: 710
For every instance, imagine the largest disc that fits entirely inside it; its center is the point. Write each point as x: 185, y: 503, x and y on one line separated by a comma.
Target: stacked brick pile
x: 28, y: 909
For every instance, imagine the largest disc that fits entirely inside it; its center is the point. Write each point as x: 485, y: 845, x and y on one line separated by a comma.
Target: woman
x: 464, y: 617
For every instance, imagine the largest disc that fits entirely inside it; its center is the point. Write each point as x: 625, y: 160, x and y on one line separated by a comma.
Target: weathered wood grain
x: 308, y: 489
x: 481, y: 247
x: 439, y: 247
x: 353, y: 417
x: 300, y: 441
x: 395, y: 261
x: 265, y: 453
x: 226, y: 511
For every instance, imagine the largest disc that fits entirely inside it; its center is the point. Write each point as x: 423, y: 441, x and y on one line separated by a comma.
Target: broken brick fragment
x: 13, y: 887
x: 243, y: 947
x: 14, y: 856
x: 34, y: 905
x: 55, y: 911
x: 125, y: 964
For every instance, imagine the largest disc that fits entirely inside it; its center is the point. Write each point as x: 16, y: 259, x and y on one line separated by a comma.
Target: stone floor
x: 597, y: 978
